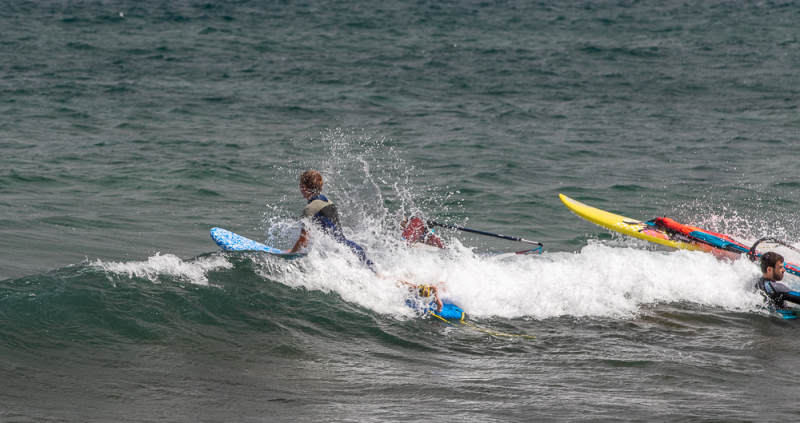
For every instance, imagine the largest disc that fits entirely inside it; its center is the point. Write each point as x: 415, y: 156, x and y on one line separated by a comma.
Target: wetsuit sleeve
x: 786, y: 293
x: 779, y: 292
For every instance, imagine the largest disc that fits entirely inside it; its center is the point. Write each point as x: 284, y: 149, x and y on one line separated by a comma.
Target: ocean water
x: 129, y: 129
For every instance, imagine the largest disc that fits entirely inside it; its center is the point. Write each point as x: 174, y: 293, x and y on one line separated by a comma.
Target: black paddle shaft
x: 753, y: 256
x: 475, y: 231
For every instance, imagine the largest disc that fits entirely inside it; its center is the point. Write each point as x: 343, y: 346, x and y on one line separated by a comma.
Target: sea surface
x: 128, y: 129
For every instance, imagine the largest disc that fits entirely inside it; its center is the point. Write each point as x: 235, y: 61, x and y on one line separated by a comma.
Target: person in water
x: 416, y: 231
x: 770, y: 287
x: 323, y: 213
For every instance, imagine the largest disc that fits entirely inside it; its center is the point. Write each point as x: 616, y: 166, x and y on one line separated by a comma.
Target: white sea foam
x: 598, y: 281
x: 193, y: 271
x: 373, y: 187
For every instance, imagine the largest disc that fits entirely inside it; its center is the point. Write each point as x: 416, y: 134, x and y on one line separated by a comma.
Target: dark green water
x: 129, y: 129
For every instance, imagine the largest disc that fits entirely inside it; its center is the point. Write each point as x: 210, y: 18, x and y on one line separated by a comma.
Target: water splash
x: 763, y: 217
x: 159, y: 266
x: 373, y: 186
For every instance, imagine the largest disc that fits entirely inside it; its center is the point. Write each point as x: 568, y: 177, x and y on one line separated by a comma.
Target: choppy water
x: 129, y: 129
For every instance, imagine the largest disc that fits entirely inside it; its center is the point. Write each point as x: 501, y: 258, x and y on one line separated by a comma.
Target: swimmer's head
x: 425, y: 291
x: 775, y: 262
x: 311, y: 181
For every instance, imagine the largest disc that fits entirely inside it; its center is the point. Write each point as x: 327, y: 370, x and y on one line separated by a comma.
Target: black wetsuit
x: 777, y: 293
x: 323, y: 213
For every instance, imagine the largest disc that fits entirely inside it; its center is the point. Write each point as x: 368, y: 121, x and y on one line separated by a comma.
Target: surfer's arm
x: 792, y: 296
x: 779, y: 292
x: 301, y: 243
x: 435, y: 292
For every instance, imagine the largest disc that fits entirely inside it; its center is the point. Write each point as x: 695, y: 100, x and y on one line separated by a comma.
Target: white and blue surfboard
x: 230, y: 241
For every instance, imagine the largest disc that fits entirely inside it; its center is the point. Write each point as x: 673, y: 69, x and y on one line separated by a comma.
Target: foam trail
x: 600, y: 281
x: 193, y: 271
x: 372, y: 186
x: 332, y: 267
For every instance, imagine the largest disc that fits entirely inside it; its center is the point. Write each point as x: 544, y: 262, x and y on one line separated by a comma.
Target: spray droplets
x: 373, y: 186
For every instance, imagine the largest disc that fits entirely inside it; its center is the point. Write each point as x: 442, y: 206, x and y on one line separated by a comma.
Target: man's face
x: 777, y: 271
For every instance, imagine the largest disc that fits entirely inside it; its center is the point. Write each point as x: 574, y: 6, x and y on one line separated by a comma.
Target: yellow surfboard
x: 627, y: 226
x: 642, y: 230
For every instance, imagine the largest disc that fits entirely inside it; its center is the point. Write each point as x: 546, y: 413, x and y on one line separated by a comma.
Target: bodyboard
x: 450, y: 313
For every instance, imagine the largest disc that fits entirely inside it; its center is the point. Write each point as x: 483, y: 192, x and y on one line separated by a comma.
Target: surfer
x: 772, y: 267
x: 322, y: 212
x: 415, y: 231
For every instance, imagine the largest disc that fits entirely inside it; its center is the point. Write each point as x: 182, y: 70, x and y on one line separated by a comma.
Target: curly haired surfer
x: 323, y: 213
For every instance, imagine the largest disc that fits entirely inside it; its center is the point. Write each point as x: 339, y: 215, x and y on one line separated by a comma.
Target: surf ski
x: 668, y: 232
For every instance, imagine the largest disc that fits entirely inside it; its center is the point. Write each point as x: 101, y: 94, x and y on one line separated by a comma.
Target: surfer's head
x: 772, y: 266
x: 311, y: 182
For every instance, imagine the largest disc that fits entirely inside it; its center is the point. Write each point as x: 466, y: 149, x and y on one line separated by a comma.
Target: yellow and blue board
x: 450, y: 313
x: 642, y: 230
x: 455, y: 316
x: 647, y: 232
x: 626, y: 225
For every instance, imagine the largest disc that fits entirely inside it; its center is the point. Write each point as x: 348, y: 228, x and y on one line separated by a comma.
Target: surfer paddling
x: 772, y: 266
x: 322, y: 212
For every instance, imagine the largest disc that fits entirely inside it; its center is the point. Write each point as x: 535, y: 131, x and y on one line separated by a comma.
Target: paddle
x: 752, y: 255
x: 474, y: 231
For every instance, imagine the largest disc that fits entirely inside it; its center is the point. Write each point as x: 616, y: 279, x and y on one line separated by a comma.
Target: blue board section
x: 449, y: 311
x: 230, y: 241
x: 786, y: 314
x: 717, y: 242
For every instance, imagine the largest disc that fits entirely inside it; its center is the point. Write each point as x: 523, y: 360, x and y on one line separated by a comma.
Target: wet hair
x: 770, y: 259
x: 312, y: 181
